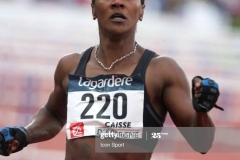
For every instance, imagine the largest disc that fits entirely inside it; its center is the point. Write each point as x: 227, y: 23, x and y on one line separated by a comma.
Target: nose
x: 117, y: 4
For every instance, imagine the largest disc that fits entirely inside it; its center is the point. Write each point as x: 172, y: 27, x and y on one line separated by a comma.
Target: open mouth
x: 118, y: 16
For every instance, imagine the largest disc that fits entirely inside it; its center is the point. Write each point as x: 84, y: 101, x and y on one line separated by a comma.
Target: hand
x: 205, y: 94
x: 13, y: 139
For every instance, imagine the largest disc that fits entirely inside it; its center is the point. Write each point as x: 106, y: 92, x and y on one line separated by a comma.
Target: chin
x: 120, y: 31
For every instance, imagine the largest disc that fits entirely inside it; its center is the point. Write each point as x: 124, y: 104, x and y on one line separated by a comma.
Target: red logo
x: 77, y: 130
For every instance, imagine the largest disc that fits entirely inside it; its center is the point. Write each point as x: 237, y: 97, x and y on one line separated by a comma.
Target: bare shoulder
x: 70, y: 59
x: 68, y: 63
x: 165, y: 67
x: 163, y: 61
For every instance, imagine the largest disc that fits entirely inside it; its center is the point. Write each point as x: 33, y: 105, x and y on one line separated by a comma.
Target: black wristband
x: 21, y: 135
x: 9, y: 133
x: 208, y: 97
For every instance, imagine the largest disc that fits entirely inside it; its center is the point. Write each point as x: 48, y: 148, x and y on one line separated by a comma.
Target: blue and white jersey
x: 114, y: 101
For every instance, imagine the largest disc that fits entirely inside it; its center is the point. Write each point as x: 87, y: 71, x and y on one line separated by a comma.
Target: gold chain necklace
x: 117, y: 60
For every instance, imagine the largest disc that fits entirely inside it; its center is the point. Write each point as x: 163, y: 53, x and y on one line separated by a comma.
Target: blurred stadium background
x: 202, y: 36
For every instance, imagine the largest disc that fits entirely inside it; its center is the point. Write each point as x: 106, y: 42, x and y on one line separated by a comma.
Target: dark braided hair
x: 142, y: 2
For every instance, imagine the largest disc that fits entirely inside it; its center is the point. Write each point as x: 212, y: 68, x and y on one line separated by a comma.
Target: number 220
x: 105, y: 106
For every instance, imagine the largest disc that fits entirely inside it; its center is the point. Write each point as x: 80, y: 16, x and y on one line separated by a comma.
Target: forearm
x: 43, y: 126
x: 202, y: 132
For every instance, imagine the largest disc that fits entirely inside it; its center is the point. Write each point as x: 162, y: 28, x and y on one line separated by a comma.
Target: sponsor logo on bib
x: 77, y: 130
x: 109, y: 82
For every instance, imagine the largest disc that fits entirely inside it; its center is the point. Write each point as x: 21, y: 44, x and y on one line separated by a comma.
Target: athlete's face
x: 118, y: 16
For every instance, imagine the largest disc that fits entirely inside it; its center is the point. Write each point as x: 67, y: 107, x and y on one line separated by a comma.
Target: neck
x: 108, y: 50
x: 115, y: 61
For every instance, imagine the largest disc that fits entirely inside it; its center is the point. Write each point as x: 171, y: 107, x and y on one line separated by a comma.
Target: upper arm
x: 176, y: 95
x: 57, y: 102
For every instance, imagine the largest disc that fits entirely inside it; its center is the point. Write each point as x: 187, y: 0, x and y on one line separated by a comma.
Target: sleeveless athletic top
x: 149, y: 115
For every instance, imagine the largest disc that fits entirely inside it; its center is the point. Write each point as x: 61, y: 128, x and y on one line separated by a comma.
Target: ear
x: 93, y: 11
x: 141, y: 12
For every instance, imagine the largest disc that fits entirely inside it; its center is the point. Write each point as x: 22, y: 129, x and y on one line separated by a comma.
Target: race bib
x: 111, y: 101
